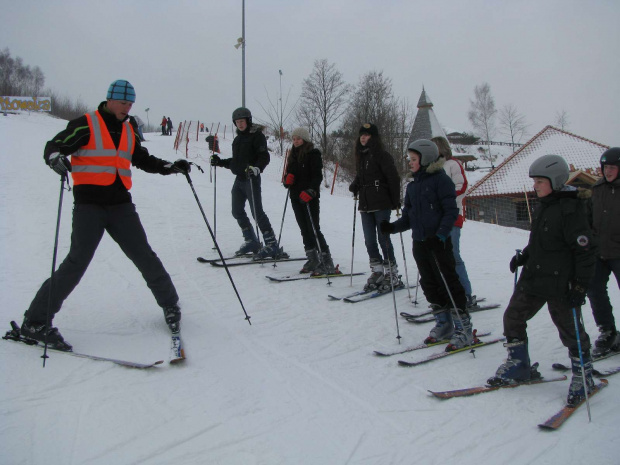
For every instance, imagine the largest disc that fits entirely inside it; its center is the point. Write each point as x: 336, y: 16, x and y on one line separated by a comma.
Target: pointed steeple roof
x: 426, y: 125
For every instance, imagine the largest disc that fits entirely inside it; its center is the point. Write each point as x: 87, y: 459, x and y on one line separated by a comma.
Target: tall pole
x: 243, y: 53
x: 281, y: 116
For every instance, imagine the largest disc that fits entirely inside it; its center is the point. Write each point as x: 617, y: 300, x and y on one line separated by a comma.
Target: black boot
x: 43, y: 333
x: 312, y: 263
x: 173, y: 317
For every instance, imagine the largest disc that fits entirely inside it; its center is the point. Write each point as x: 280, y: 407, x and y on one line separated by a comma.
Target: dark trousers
x: 523, y: 307
x: 241, y: 193
x: 305, y: 226
x: 598, y: 294
x: 374, y: 238
x: 431, y: 280
x: 89, y: 223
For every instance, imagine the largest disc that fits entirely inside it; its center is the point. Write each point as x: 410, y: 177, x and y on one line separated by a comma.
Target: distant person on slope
x: 606, y: 226
x: 249, y: 158
x: 430, y: 211
x: 303, y: 177
x: 456, y: 172
x: 169, y: 125
x: 103, y: 145
x: 558, y: 263
x: 164, y: 124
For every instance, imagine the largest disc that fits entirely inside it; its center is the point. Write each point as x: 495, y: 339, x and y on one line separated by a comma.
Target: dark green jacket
x: 561, y: 249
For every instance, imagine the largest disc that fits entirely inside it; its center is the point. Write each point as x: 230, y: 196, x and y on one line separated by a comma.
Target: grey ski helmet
x: 610, y: 157
x: 427, y: 149
x: 240, y: 113
x: 552, y: 167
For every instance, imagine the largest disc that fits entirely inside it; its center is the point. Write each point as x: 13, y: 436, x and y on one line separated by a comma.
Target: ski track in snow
x: 300, y: 385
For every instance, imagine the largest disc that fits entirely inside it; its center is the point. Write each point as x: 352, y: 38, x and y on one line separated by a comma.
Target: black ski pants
x: 249, y: 190
x: 523, y: 307
x: 305, y: 225
x: 431, y: 281
x: 89, y: 223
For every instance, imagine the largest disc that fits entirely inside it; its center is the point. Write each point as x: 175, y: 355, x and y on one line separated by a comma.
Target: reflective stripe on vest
x: 99, y: 160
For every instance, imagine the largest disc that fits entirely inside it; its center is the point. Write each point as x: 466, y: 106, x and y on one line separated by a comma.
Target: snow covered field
x: 298, y: 386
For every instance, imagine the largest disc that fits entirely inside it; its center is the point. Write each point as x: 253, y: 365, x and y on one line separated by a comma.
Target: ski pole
x: 402, y: 244
x: 583, y: 370
x: 353, y: 238
x: 49, y: 301
x: 458, y: 315
x: 189, y: 180
x: 254, y: 204
x: 387, y: 247
x: 417, y: 286
x: 316, y: 238
x: 281, y: 226
x: 517, y: 253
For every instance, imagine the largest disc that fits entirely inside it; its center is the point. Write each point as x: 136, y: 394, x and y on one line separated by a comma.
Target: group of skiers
x: 572, y: 250
x: 166, y: 126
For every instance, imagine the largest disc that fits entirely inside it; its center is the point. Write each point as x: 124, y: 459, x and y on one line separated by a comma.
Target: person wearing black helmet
x: 430, y: 212
x: 606, y: 226
x: 250, y: 158
x: 558, y: 264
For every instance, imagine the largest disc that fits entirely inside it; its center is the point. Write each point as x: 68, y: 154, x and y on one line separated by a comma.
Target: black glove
x: 59, y: 163
x: 181, y: 166
x: 354, y: 188
x: 577, y: 295
x: 216, y: 161
x: 517, y: 261
x: 436, y: 243
x: 386, y: 227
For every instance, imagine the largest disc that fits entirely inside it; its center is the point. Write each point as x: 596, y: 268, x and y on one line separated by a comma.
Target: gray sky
x: 543, y: 56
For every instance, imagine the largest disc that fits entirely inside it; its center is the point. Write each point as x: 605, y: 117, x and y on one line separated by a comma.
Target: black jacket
x: 306, y: 164
x: 561, y: 249
x: 249, y: 149
x: 377, y: 182
x: 77, y: 135
x: 606, y: 213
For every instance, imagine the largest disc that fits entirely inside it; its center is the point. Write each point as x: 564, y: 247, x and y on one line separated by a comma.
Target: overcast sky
x: 543, y: 56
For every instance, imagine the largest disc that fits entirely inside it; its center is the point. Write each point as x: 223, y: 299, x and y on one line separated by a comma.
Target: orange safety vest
x: 98, y: 161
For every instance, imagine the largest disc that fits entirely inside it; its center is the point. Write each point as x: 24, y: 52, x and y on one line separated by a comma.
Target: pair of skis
x: 177, y: 353
x: 234, y: 261
x: 422, y: 317
x: 360, y: 296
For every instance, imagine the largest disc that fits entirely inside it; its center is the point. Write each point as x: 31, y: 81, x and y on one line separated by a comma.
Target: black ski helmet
x: 610, y: 157
x: 552, y: 167
x: 240, y: 113
x: 427, y: 149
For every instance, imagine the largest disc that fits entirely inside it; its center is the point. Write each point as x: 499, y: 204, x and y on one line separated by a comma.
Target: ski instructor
x: 103, y: 145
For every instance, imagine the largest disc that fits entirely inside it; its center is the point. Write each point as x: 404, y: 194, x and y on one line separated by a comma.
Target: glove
x: 59, y: 163
x: 181, y: 166
x: 290, y: 180
x: 436, y: 243
x: 386, y: 227
x: 307, y: 196
x: 216, y: 161
x: 577, y: 295
x: 253, y: 171
x: 354, y: 188
x: 517, y: 261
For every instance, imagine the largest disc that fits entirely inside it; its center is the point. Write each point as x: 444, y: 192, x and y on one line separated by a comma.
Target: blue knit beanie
x: 121, y: 90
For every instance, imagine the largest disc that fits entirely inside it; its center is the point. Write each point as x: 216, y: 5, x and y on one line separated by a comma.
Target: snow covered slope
x: 298, y: 386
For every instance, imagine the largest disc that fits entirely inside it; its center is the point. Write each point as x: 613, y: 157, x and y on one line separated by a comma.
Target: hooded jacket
x: 561, y: 249
x: 430, y: 204
x: 606, y: 217
x: 249, y: 149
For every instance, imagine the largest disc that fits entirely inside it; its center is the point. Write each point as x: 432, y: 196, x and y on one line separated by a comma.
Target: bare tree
x: 512, y: 123
x: 323, y: 99
x: 561, y: 120
x: 482, y: 114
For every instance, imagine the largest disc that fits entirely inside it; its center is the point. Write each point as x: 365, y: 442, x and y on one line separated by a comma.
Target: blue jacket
x: 430, y: 204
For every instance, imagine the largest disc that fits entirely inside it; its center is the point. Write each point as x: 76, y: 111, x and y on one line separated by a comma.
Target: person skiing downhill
x: 103, y: 145
x: 304, y: 174
x: 430, y: 212
x: 377, y: 184
x: 250, y: 158
x: 558, y: 263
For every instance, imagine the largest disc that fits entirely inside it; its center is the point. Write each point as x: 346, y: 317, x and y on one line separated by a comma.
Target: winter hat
x: 370, y: 129
x: 121, y: 90
x: 302, y: 133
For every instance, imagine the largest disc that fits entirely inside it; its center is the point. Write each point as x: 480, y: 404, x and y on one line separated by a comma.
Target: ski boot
x: 44, y: 333
x: 444, y: 328
x: 250, y: 244
x: 472, y: 301
x: 463, y: 334
x: 312, y: 263
x: 326, y: 266
x: 390, y: 277
x: 376, y: 275
x: 576, y: 391
x: 270, y: 250
x: 516, y: 368
x: 173, y: 317
x: 608, y: 341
